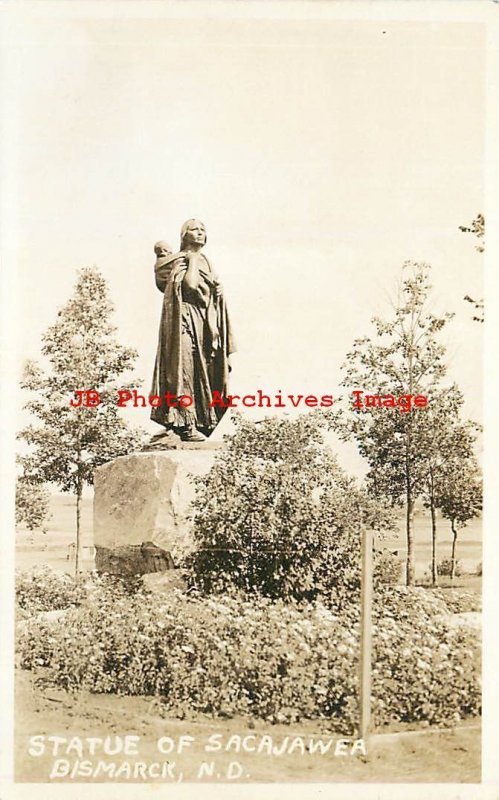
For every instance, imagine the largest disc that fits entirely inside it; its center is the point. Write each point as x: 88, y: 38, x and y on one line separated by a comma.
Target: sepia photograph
x: 244, y: 305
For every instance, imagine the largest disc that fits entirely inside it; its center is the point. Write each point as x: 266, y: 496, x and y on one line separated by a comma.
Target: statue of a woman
x: 195, y: 339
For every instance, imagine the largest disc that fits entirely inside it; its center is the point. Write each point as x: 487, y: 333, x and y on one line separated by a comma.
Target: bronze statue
x: 195, y: 339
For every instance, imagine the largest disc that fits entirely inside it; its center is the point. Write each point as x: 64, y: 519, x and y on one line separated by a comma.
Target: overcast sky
x: 321, y: 154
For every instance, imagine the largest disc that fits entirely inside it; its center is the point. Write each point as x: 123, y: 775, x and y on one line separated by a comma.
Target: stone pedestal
x: 141, y: 507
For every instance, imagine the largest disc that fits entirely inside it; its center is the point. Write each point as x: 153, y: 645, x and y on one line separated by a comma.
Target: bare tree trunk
x: 409, y: 529
x: 79, y: 490
x: 433, y: 542
x: 410, y: 571
x: 78, y: 526
x: 453, y: 551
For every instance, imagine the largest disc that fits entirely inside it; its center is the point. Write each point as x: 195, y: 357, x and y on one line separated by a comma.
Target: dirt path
x: 449, y: 756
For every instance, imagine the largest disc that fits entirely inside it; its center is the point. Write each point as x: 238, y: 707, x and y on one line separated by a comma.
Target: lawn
x: 425, y: 756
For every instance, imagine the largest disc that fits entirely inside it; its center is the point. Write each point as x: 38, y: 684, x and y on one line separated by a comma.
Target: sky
x: 321, y: 154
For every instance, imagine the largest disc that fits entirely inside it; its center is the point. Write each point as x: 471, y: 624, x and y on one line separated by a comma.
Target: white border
x: 13, y: 13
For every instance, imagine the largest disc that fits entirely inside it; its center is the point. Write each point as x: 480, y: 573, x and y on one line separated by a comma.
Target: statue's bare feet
x: 191, y: 435
x: 164, y: 440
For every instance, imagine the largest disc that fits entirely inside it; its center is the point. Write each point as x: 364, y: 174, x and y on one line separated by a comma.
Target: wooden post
x: 366, y: 633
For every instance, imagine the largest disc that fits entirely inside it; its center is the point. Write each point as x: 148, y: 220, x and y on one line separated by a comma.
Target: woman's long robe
x: 194, y: 344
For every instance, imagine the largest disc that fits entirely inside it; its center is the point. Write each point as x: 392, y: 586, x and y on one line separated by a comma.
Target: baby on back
x: 193, y: 282
x: 164, y: 261
x: 163, y: 249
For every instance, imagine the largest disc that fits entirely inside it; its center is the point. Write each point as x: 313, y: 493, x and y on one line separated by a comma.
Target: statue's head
x: 193, y: 233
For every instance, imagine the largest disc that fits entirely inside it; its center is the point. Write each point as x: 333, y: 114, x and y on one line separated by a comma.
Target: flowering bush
x: 459, y: 601
x: 262, y: 657
x: 44, y: 589
x: 432, y: 670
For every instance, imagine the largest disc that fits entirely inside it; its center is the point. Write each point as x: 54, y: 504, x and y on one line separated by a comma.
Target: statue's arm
x: 195, y: 285
x: 192, y: 277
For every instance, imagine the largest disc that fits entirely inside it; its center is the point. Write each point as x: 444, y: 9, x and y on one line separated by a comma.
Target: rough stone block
x: 141, y: 509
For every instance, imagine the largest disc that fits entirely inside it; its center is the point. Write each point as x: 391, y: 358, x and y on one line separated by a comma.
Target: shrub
x: 44, y: 589
x: 459, y: 601
x: 278, y: 515
x: 444, y: 567
x: 263, y: 658
x: 387, y: 567
x: 432, y: 669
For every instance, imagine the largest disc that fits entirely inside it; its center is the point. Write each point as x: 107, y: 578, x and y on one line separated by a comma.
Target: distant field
x: 469, y: 542
x: 52, y: 548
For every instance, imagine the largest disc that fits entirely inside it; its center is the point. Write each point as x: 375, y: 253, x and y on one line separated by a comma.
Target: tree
x: 277, y: 515
x: 477, y: 229
x: 32, y: 504
x: 67, y: 443
x: 404, y: 357
x: 447, y: 443
x: 459, y: 497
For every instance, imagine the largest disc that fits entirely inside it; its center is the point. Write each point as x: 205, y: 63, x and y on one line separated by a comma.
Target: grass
x: 431, y: 756
x: 466, y: 581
